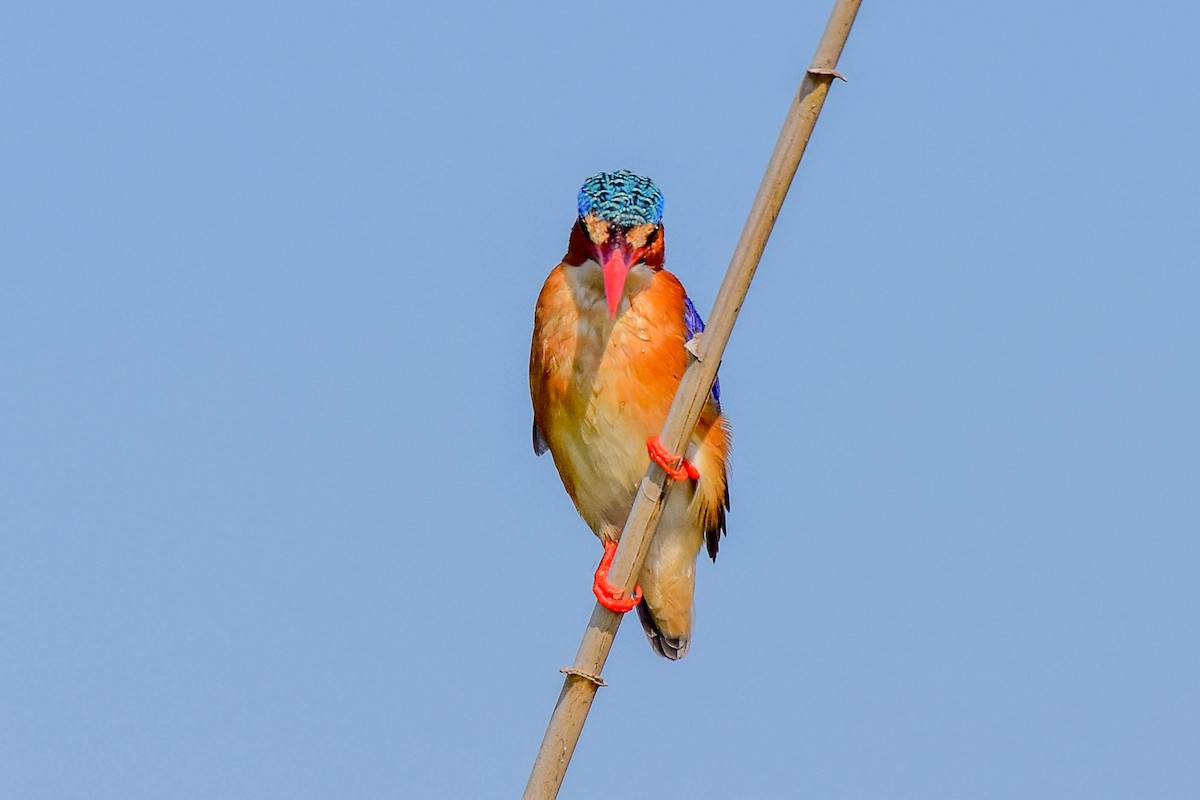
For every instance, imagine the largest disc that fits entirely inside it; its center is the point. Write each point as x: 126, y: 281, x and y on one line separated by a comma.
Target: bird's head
x: 619, y: 226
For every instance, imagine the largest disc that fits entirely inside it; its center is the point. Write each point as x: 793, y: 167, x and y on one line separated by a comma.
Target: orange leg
x: 611, y: 596
x: 668, y: 460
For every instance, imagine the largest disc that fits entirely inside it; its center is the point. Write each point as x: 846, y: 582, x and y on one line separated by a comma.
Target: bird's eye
x: 652, y: 236
x: 583, y: 228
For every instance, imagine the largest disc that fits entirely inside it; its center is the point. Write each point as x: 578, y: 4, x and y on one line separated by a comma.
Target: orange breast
x: 600, y: 387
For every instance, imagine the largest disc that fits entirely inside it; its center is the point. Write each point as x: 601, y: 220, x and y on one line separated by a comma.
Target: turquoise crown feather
x: 622, y: 197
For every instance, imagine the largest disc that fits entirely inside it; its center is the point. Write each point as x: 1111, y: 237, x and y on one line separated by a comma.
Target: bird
x: 608, y: 354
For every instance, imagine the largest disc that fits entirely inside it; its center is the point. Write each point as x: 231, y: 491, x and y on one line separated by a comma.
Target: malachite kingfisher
x: 609, y: 337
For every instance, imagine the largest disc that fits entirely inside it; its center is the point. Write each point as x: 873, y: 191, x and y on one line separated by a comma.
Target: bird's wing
x: 695, y: 324
x: 714, y: 519
x: 540, y: 445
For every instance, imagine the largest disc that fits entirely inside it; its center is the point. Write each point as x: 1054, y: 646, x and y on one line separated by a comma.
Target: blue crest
x: 622, y: 197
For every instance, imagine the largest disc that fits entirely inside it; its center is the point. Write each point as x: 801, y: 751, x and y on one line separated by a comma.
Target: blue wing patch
x: 695, y: 324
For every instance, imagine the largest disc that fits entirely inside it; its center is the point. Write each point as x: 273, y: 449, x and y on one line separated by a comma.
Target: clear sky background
x: 270, y: 522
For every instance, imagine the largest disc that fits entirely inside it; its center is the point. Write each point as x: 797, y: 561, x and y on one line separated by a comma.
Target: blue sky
x: 270, y: 523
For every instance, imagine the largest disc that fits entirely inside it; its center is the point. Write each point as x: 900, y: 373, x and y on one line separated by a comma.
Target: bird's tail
x: 668, y: 578
x: 668, y: 582
x: 672, y: 647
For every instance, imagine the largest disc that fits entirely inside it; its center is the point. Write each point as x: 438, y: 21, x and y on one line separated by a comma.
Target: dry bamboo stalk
x: 583, y: 677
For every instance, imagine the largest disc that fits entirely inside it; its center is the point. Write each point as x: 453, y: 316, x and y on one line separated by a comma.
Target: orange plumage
x: 602, y: 382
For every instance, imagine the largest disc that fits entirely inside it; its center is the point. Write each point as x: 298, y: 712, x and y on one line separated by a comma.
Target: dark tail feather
x: 666, y: 647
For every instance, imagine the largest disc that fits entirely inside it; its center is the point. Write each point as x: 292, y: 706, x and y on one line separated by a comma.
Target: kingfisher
x: 609, y: 350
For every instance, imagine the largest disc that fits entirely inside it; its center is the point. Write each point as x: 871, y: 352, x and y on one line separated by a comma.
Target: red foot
x: 668, y: 460
x: 611, y: 596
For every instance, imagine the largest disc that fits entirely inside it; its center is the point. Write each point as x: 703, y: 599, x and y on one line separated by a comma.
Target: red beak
x: 614, y: 262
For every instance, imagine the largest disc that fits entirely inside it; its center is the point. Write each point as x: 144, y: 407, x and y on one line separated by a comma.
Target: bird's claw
x: 668, y: 460
x: 609, y: 596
